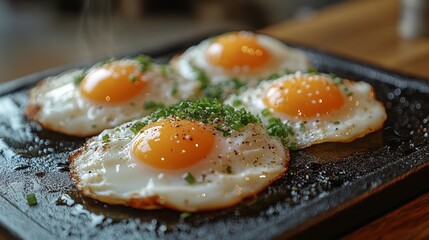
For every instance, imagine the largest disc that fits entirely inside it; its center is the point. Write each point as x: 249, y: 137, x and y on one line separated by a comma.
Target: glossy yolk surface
x: 306, y: 96
x: 113, y: 83
x: 237, y: 50
x: 173, y: 143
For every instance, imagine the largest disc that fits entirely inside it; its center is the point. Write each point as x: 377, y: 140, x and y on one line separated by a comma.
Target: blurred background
x: 39, y: 34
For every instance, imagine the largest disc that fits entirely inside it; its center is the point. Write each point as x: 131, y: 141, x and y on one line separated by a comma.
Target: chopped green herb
x: 266, y: 112
x: 201, y: 77
x: 340, y: 81
x: 236, y: 102
x: 312, y: 71
x: 105, y: 138
x: 213, y: 91
x: 302, y: 127
x: 273, y: 76
x: 348, y: 92
x: 276, y: 128
x: 174, y: 89
x: 286, y: 71
x: 337, y: 80
x: 237, y: 84
x: 228, y: 169
x: 93, y: 125
x: 292, y: 146
x: 221, y: 129
x: 209, y: 90
x: 185, y: 215
x: 152, y: 105
x: 337, y: 122
x: 189, y: 178
x: 79, y: 78
x: 216, y: 91
x: 204, y: 110
x: 133, y: 79
x: 164, y: 69
x: 333, y: 75
x: 31, y: 199
x: 145, y: 62
x: 135, y: 128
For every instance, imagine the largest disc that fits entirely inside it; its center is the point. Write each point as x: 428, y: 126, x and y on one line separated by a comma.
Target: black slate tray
x: 329, y: 190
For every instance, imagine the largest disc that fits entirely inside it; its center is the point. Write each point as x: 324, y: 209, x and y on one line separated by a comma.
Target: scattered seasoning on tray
x: 31, y: 199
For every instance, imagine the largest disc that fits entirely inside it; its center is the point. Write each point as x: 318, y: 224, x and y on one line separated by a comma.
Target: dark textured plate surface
x: 329, y: 189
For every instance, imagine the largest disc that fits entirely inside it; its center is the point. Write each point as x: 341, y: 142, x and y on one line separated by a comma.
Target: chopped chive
x: 174, y: 89
x: 133, y: 79
x: 93, y: 125
x: 236, y: 102
x: 265, y: 112
x: 348, y: 92
x: 302, y: 127
x: 135, y: 128
x: 273, y: 76
x: 237, y: 83
x: 201, y: 77
x: 292, y: 146
x: 204, y: 110
x: 189, y: 178
x: 337, y: 122
x: 105, y: 138
x: 312, y: 71
x: 79, y: 78
x: 145, y: 62
x: 286, y: 71
x: 152, y: 105
x: 185, y: 215
x: 276, y: 127
x: 228, y: 169
x: 31, y: 199
x: 163, y: 69
x: 333, y: 75
x: 339, y: 81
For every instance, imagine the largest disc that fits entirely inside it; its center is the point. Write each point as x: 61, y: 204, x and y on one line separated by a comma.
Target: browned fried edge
x: 32, y: 113
x: 155, y: 201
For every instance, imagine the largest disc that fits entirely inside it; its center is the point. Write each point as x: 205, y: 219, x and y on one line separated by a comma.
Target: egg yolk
x: 173, y: 143
x: 116, y: 82
x: 237, y: 50
x: 306, y: 96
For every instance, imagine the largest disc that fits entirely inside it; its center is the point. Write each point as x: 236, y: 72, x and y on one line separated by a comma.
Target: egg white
x: 360, y: 115
x: 109, y: 173
x: 57, y: 104
x: 282, y: 58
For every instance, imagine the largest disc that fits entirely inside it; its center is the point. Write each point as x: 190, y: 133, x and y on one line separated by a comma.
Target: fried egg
x: 306, y: 109
x: 83, y: 103
x: 237, y: 59
x: 179, y: 163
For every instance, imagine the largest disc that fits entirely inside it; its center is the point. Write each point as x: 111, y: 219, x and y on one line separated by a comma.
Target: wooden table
x: 367, y: 31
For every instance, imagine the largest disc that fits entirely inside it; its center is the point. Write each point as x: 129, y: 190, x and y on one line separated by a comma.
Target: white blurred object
x: 414, y: 20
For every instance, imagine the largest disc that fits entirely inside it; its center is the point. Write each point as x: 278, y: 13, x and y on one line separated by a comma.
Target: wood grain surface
x: 367, y: 31
x: 410, y: 221
x: 364, y: 30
